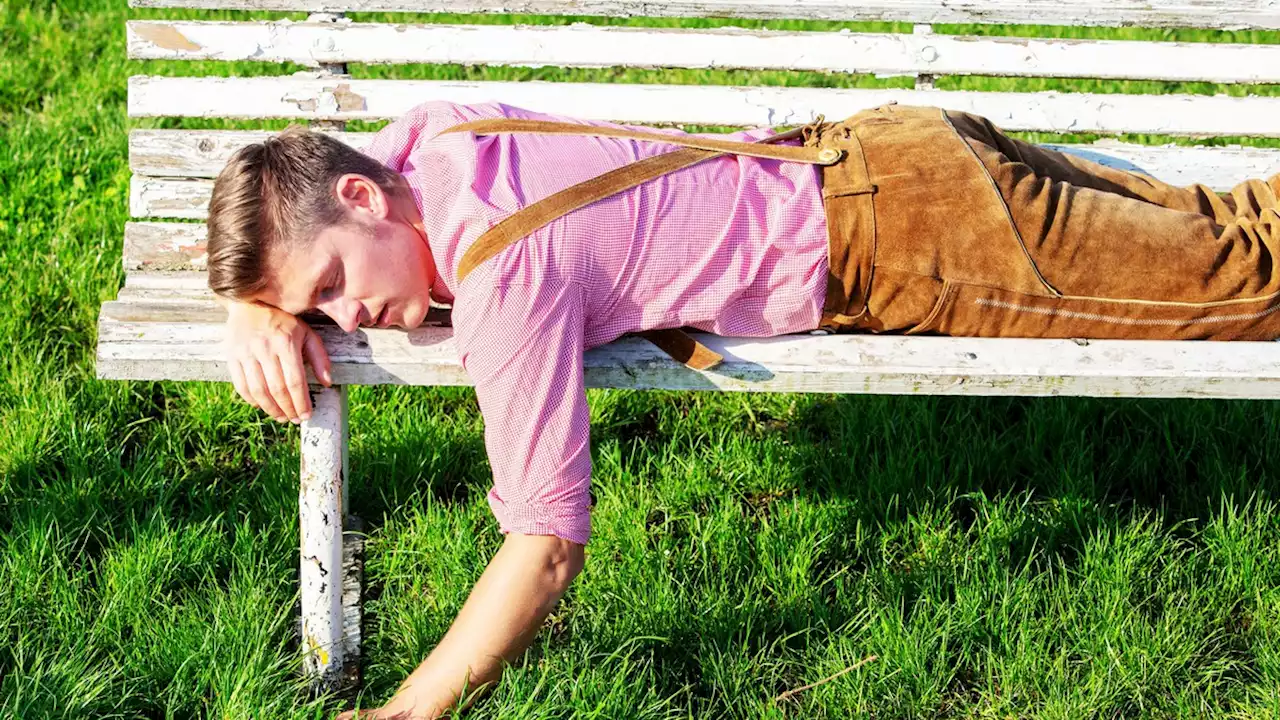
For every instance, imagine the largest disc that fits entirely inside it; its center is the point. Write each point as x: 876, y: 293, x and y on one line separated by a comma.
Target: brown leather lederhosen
x: 843, y: 171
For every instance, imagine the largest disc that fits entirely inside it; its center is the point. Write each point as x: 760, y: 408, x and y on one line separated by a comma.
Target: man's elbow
x: 557, y: 560
x: 565, y: 561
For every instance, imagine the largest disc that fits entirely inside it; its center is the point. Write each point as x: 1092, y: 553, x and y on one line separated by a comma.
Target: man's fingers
x: 268, y: 353
x: 238, y: 382
x: 260, y: 392
x: 276, y: 385
x: 317, y: 357
x: 296, y: 382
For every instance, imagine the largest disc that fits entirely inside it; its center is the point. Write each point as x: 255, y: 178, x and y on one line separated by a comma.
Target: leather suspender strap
x: 812, y: 155
x: 675, y: 342
x: 532, y: 217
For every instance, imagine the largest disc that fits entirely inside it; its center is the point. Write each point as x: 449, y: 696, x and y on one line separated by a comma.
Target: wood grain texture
x: 1223, y: 14
x: 165, y: 246
x: 166, y: 287
x: 205, y: 310
x: 301, y: 96
x: 163, y: 197
x: 789, y: 363
x: 202, y: 153
x: 591, y: 46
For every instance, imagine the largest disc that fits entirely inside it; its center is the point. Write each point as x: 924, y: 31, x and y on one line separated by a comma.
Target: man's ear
x: 360, y: 195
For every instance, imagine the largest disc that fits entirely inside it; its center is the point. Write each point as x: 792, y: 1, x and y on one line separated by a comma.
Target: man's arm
x: 522, y: 346
x: 501, y: 617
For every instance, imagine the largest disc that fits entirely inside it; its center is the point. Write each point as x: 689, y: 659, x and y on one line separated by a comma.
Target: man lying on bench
x: 551, y: 235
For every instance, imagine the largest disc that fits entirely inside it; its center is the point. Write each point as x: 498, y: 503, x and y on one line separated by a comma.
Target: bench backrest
x: 173, y: 169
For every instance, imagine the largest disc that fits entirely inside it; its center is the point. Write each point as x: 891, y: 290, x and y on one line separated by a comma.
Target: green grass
x: 1001, y: 558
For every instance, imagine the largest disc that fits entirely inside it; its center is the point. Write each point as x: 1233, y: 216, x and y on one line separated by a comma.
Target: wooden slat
x: 160, y: 197
x: 591, y: 46
x: 1219, y: 168
x: 175, y: 311
x: 203, y: 153
x: 189, y: 199
x: 187, y: 308
x: 341, y: 99
x: 166, y: 197
x: 788, y: 363
x: 165, y: 246
x: 1226, y: 14
x: 184, y: 295
x: 166, y: 287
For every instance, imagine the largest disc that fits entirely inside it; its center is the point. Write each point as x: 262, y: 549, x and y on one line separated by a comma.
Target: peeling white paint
x: 202, y: 153
x: 321, y: 513
x: 295, y: 96
x: 592, y: 46
x: 1227, y: 14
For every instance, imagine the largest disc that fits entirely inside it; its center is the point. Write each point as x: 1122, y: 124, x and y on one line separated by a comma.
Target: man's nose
x: 343, y: 311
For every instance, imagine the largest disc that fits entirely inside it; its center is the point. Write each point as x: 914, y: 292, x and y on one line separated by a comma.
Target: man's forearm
x: 501, y: 617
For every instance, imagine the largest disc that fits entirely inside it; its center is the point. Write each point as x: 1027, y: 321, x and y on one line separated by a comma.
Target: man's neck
x: 408, y: 211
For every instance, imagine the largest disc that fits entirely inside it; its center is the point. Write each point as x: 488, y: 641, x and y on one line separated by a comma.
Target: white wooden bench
x: 164, y: 325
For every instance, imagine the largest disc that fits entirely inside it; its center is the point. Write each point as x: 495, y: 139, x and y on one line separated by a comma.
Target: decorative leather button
x: 829, y: 156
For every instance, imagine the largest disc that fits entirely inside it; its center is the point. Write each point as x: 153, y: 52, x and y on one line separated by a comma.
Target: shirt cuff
x: 569, y: 522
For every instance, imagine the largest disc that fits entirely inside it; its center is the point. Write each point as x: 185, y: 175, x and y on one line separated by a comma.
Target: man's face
x: 375, y: 270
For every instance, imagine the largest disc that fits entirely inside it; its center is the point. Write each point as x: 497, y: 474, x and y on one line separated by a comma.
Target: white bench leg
x: 322, y: 506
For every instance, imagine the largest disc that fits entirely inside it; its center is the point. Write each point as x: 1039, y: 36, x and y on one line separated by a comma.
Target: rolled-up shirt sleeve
x: 522, y: 345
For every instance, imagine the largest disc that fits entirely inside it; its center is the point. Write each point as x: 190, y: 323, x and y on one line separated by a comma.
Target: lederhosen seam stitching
x: 995, y: 190
x: 1115, y: 320
x: 1173, y: 303
x: 1132, y: 301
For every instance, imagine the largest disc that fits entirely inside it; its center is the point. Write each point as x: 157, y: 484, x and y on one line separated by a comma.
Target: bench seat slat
x: 187, y: 310
x: 181, y: 350
x: 202, y: 309
x: 183, y: 287
x: 1151, y: 13
x: 591, y: 46
x: 348, y: 99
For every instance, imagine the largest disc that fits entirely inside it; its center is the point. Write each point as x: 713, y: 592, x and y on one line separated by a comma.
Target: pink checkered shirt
x: 735, y: 246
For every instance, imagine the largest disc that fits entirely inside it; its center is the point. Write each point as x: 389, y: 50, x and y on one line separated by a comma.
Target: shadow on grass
x: 1179, y: 457
x: 1047, y: 475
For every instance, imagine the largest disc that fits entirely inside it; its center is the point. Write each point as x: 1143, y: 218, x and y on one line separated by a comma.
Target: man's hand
x: 265, y: 350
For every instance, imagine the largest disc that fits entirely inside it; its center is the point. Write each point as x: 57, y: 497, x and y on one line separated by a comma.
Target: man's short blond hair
x: 278, y: 193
